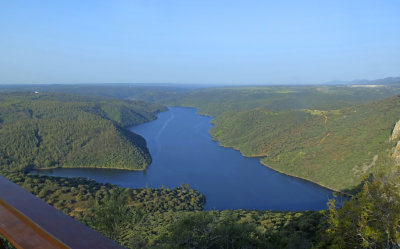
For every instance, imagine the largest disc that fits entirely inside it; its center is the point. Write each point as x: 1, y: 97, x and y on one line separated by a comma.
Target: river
x: 183, y: 152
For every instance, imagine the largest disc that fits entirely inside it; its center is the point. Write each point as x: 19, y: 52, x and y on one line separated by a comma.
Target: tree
x: 370, y: 219
x: 192, y: 231
x: 111, y: 217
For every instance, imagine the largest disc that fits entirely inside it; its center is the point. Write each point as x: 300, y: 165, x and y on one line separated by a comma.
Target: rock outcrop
x: 396, y: 131
x: 395, y: 136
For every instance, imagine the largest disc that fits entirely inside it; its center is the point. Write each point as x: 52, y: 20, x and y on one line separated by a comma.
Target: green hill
x: 56, y: 130
x: 215, y: 101
x: 333, y: 148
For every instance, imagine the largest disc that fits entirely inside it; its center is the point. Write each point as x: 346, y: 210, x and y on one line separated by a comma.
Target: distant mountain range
x: 384, y: 81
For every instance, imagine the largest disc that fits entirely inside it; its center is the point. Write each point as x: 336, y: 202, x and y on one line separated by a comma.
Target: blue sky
x: 222, y: 42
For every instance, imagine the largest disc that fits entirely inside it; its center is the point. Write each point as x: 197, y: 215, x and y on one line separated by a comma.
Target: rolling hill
x: 334, y: 148
x: 43, y: 130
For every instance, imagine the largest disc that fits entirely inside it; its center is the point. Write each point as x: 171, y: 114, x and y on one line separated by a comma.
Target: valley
x: 336, y: 138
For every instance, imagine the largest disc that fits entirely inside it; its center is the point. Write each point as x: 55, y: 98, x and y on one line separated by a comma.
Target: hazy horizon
x: 193, y: 84
x: 198, y: 43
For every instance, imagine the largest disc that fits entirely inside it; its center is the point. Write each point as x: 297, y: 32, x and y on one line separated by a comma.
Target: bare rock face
x: 395, y: 136
x: 396, y: 153
x: 396, y: 131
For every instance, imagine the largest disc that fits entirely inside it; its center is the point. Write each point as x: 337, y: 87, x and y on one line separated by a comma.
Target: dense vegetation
x: 306, y: 131
x: 55, y: 130
x: 313, y: 132
x: 333, y: 148
x: 121, y: 91
x: 4, y: 244
x: 171, y: 218
x: 213, y: 101
x: 78, y: 196
x: 371, y: 219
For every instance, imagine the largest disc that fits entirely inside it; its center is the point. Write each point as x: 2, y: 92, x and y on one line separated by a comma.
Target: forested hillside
x: 214, y: 101
x: 171, y: 218
x: 334, y: 148
x: 284, y: 124
x: 55, y: 130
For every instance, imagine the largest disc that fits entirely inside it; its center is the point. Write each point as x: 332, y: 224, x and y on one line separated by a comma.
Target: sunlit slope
x: 54, y: 130
x: 215, y: 101
x: 333, y: 148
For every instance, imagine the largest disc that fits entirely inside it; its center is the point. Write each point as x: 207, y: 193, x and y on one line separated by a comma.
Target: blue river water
x: 183, y: 152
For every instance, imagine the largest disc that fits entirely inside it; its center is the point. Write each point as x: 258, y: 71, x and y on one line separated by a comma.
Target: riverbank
x: 183, y: 152
x: 66, y: 167
x: 281, y: 172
